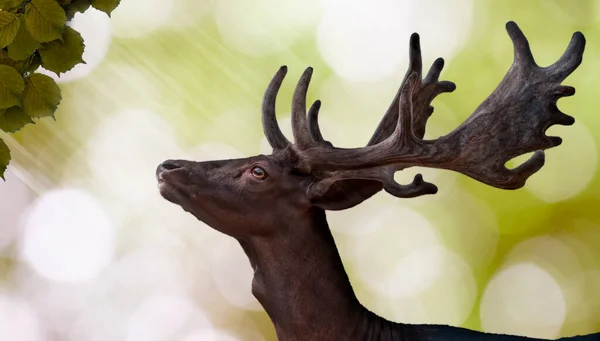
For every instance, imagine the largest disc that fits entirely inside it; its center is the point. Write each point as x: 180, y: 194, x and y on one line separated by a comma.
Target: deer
x: 275, y: 205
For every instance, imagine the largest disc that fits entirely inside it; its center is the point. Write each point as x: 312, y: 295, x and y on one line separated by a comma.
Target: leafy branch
x: 35, y: 33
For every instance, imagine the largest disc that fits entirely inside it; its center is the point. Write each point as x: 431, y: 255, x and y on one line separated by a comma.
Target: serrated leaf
x: 61, y: 56
x: 45, y: 20
x: 13, y: 119
x: 41, y: 96
x: 106, y: 6
x: 77, y: 6
x: 4, y: 158
x: 8, y: 4
x: 24, y: 45
x: 11, y: 87
x: 9, y: 26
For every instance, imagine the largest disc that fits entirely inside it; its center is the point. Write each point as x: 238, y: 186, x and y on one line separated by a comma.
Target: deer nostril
x: 170, y: 165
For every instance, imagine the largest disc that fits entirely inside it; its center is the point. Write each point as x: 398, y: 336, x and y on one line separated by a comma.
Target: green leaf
x: 8, y: 4
x: 5, y: 60
x: 61, y: 56
x: 13, y: 119
x: 4, y: 158
x: 45, y: 20
x: 9, y: 26
x: 41, y: 96
x: 28, y: 65
x: 11, y: 87
x: 77, y: 6
x: 24, y: 45
x: 106, y: 6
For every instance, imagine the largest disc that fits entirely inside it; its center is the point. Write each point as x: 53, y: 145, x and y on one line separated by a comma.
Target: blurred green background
x: 90, y: 251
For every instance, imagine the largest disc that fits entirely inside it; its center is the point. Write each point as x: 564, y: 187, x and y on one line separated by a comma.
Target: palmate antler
x: 512, y: 121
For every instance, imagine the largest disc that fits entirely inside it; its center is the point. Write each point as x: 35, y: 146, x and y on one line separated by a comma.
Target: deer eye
x: 259, y: 173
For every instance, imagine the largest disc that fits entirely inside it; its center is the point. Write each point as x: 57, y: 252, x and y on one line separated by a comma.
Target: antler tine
x: 570, y: 59
x: 302, y: 136
x: 522, y: 52
x: 313, y: 124
x: 432, y: 88
x: 417, y: 188
x: 269, y: 119
x: 415, y: 61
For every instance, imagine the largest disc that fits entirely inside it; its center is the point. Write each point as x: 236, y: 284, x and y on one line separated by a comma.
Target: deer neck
x: 300, y: 281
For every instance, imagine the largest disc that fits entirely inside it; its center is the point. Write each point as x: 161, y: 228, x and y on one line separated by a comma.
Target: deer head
x: 254, y: 195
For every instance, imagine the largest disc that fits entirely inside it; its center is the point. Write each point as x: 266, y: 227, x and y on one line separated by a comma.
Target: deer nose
x: 168, y: 165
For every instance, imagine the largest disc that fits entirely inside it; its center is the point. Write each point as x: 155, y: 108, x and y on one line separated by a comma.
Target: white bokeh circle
x: 232, y: 274
x: 163, y: 317
x: 404, y: 254
x: 67, y: 236
x: 136, y: 18
x: 210, y: 335
x: 123, y: 153
x: 369, y: 41
x: 523, y: 299
x: 143, y: 286
x: 18, y: 320
x: 448, y: 300
x: 188, y: 13
x: 260, y: 27
x: 55, y: 303
x: 415, y: 272
x: 11, y: 210
x: 367, y: 218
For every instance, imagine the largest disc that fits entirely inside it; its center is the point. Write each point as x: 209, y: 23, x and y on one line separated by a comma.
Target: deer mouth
x: 170, y: 184
x: 171, y: 192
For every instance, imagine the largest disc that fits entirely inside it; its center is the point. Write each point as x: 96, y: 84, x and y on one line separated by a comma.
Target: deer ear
x: 335, y: 195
